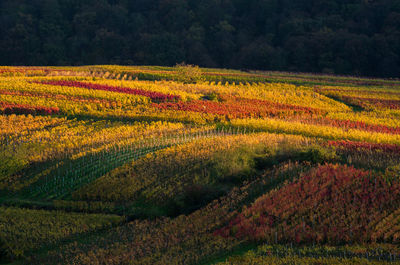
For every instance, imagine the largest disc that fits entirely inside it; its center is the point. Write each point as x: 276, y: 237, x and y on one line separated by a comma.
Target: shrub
x: 188, y: 73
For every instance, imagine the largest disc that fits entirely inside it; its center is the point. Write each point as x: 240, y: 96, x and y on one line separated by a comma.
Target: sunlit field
x: 185, y: 165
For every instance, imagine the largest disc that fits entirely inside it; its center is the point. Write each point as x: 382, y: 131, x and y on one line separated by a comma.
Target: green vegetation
x: 24, y: 230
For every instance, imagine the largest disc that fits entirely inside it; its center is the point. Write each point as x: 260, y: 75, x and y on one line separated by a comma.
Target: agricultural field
x: 181, y: 165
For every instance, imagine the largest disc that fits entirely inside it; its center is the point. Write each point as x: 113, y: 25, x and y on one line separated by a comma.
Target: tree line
x: 357, y: 37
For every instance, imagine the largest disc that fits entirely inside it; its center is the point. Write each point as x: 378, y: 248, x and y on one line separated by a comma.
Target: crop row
x: 344, y: 124
x: 50, y: 97
x: 238, y: 108
x: 94, y: 104
x: 24, y: 230
x: 186, y: 239
x: 279, y: 93
x: 311, y: 130
x: 280, y: 254
x: 189, y: 239
x: 373, y: 102
x: 108, y: 111
x: 372, y: 147
x: 155, y: 96
x: 13, y: 126
x: 31, y: 71
x: 330, y: 204
x: 66, y: 139
x: 164, y: 175
x: 33, y: 87
x: 170, y: 73
x: 233, y: 76
x: 7, y: 108
x: 369, y: 103
x: 363, y: 92
x: 73, y: 174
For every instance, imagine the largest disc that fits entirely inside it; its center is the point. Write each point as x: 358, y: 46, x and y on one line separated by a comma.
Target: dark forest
x: 351, y: 37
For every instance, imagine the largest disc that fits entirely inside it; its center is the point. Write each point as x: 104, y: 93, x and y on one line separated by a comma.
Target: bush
x: 193, y: 198
x: 3, y: 253
x: 235, y: 165
x: 188, y: 73
x: 211, y: 97
x: 317, y: 154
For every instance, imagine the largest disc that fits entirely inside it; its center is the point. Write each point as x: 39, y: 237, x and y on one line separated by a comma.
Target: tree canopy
x: 357, y: 37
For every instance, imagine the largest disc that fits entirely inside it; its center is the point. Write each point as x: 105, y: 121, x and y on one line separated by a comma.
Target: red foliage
x: 154, y: 96
x: 26, y: 109
x: 57, y: 96
x: 23, y: 70
x: 372, y: 102
x: 359, y: 125
x: 354, y: 146
x: 371, y: 92
x: 331, y: 203
x: 234, y: 107
x: 380, y: 103
x: 11, y: 71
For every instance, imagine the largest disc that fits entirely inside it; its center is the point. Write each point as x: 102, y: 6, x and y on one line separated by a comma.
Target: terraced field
x: 181, y: 165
